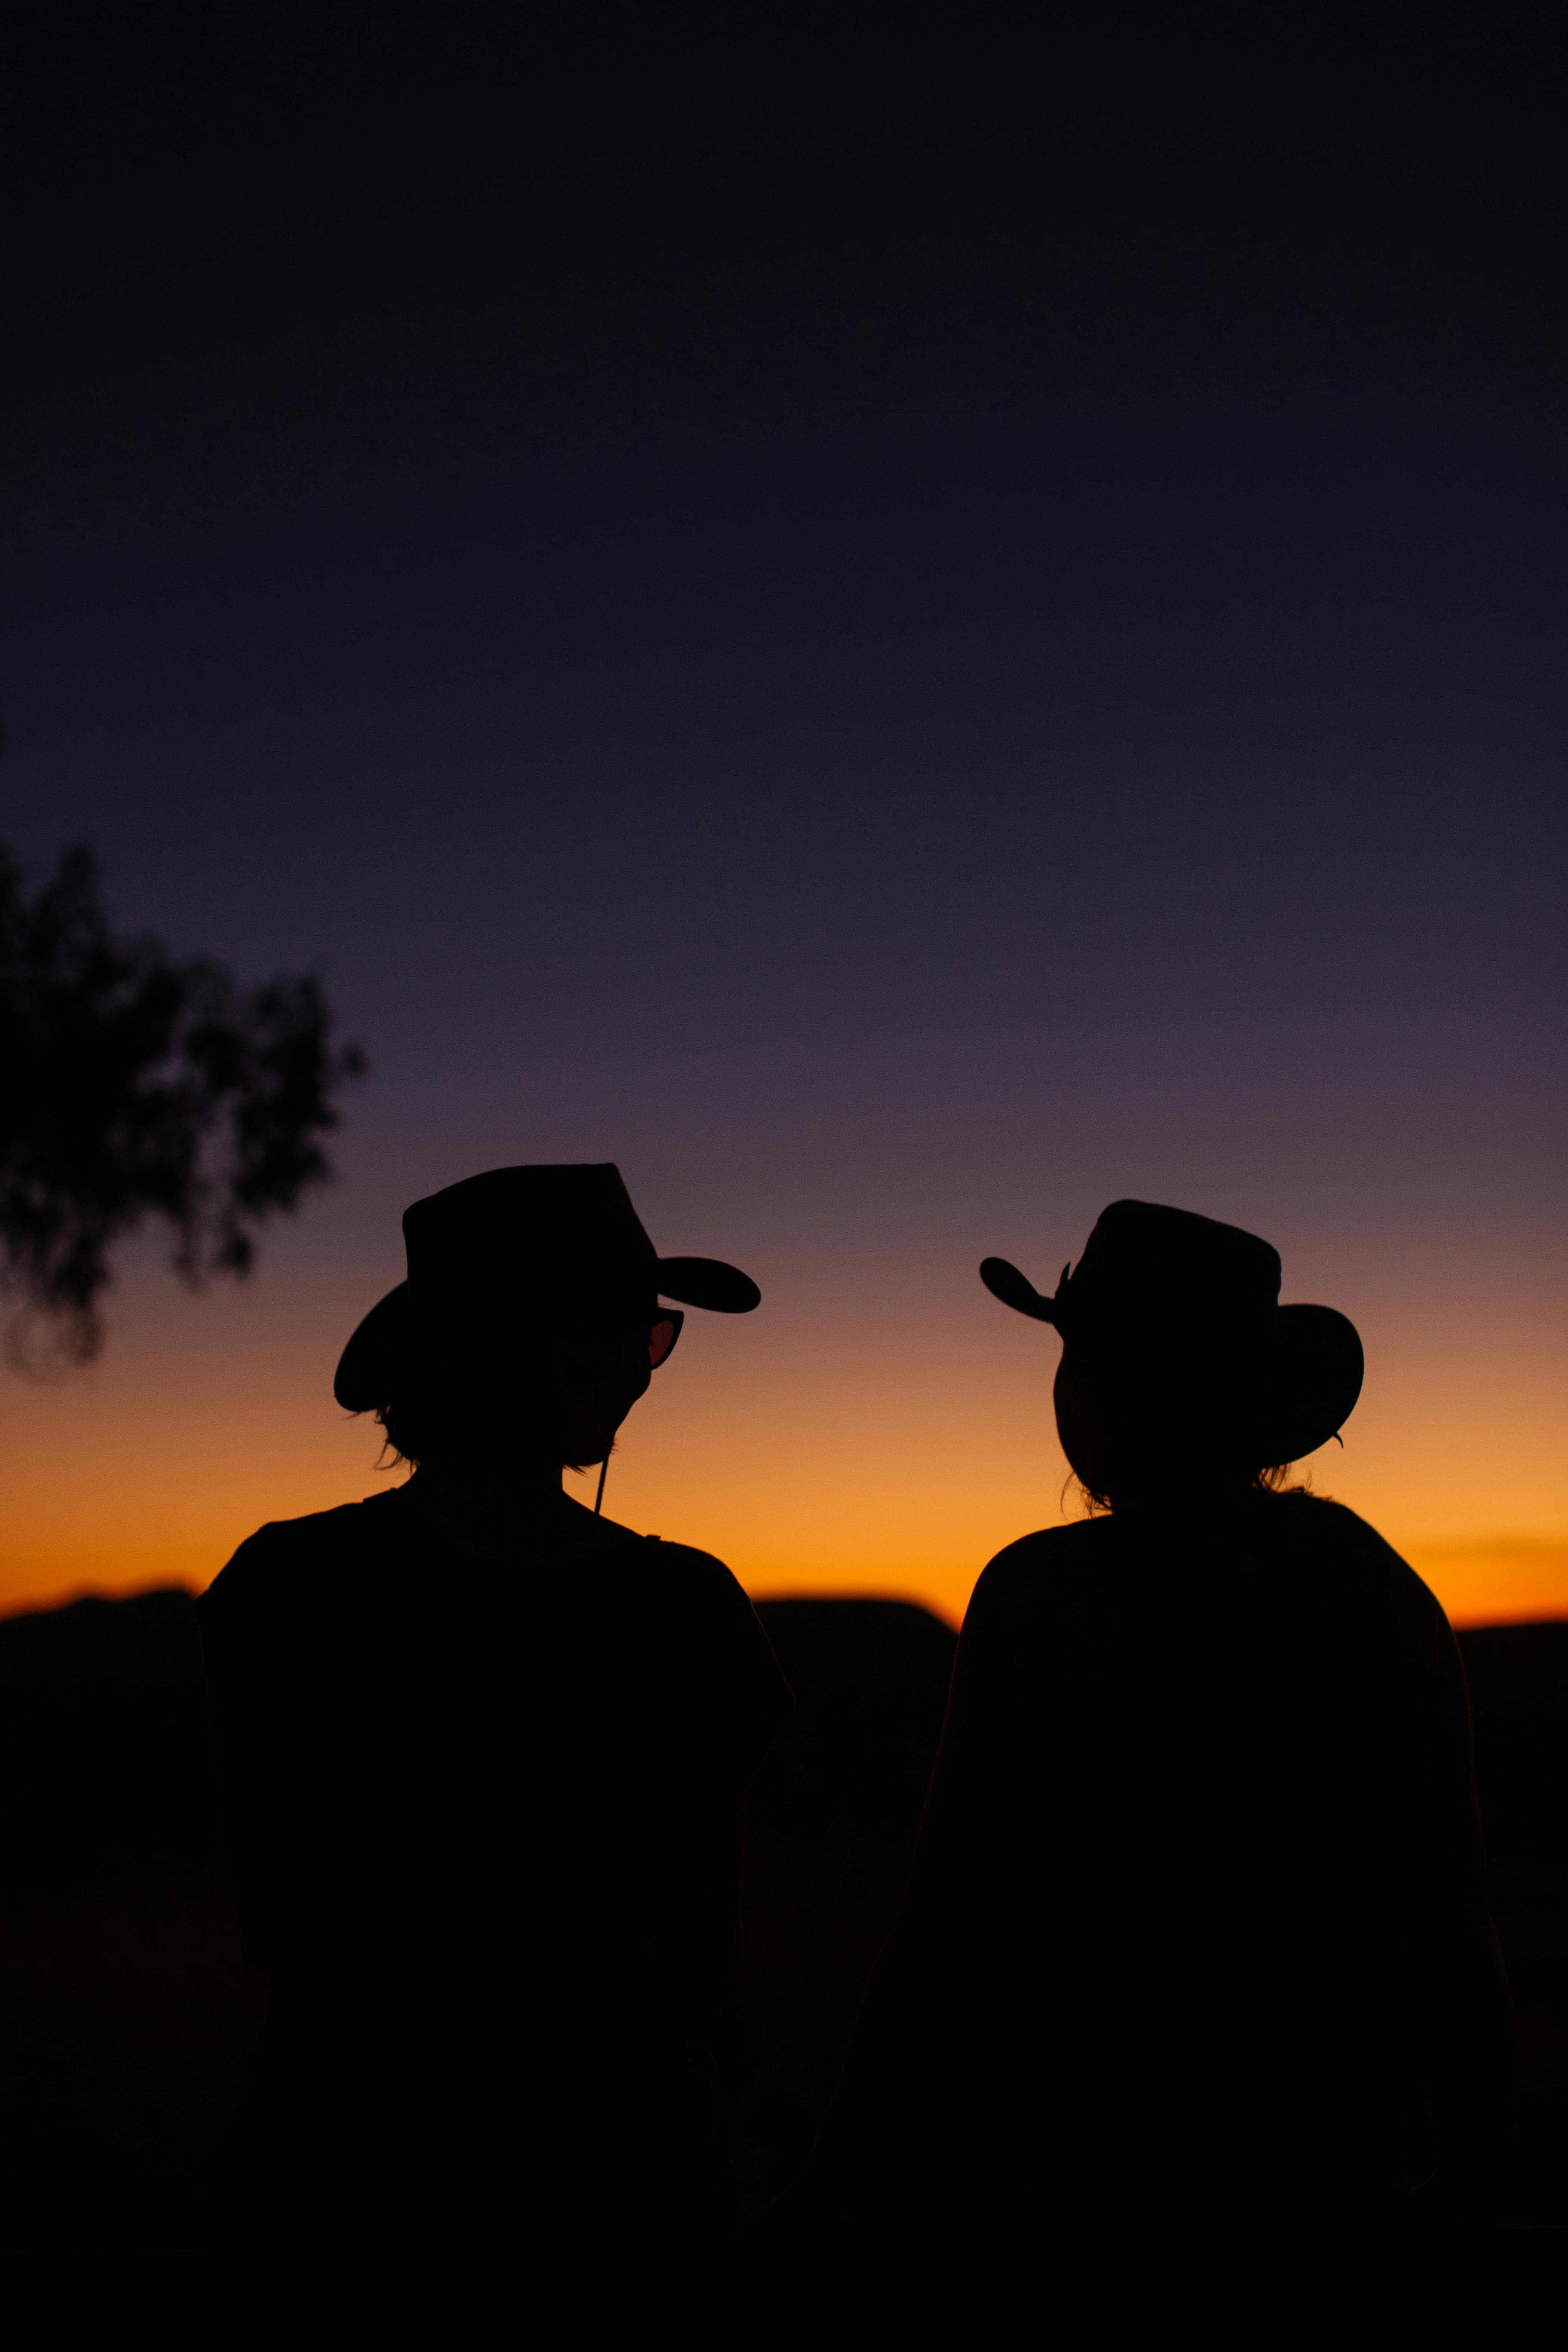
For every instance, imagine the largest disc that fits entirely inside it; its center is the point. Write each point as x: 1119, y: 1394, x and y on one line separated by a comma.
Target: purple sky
x: 876, y: 634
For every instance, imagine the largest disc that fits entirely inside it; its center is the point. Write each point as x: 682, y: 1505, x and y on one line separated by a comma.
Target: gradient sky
x: 903, y: 634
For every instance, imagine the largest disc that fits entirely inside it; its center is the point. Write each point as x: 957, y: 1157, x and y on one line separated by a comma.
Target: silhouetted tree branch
x: 132, y: 1086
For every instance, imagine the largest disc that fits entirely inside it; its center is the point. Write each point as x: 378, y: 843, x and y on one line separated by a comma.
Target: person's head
x: 559, y: 1406
x: 530, y: 1324
x: 1179, y: 1369
x: 1170, y: 1435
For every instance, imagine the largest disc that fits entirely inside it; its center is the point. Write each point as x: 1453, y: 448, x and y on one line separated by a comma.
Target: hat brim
x: 375, y: 1364
x: 371, y: 1367
x: 707, y: 1282
x: 1312, y: 1386
x: 1004, y: 1282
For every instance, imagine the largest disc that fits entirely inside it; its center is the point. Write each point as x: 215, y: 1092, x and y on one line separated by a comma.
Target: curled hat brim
x: 707, y: 1282
x: 371, y: 1366
x: 1307, y: 1388
x: 1312, y: 1386
x: 1016, y: 1290
x: 376, y: 1358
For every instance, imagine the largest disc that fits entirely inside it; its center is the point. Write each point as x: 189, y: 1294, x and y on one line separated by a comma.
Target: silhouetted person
x: 1196, y: 1985
x: 483, y: 1758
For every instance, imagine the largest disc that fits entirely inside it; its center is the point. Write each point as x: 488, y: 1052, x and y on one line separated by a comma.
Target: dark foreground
x: 127, y: 2014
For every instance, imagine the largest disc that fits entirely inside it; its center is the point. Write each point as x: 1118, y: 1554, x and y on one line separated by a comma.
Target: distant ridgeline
x: 105, y: 1764
x: 104, y: 1755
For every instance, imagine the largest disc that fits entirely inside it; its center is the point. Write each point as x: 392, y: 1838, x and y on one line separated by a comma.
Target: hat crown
x: 548, y: 1226
x: 1144, y: 1257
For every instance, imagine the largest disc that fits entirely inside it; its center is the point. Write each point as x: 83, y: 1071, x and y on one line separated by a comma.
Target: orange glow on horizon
x: 832, y: 1448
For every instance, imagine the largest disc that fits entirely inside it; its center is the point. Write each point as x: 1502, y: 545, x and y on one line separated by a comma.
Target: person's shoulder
x: 697, y: 1621
x: 281, y: 1543
x: 649, y: 1554
x: 700, y: 1573
x: 1332, y: 1530
x: 1037, y: 1568
x: 286, y: 1556
x: 1048, y: 1553
x: 1329, y: 1526
x: 1065, y: 1547
x: 678, y: 1574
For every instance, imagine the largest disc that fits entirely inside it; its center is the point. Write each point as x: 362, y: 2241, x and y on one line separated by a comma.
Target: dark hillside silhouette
x: 870, y: 1682
x: 1518, y: 1676
x: 1519, y: 1702
x: 141, y: 1086
x: 104, y: 1752
x: 835, y: 1809
x: 128, y: 2016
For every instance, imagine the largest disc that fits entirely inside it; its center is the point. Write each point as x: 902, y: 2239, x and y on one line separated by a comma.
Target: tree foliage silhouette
x: 137, y: 1087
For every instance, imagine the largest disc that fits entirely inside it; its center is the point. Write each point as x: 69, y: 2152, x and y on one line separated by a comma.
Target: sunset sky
x: 904, y: 644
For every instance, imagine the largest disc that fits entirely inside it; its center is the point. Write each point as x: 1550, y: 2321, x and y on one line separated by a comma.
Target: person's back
x: 1202, y: 1839
x: 484, y: 1757
x: 1195, y: 1979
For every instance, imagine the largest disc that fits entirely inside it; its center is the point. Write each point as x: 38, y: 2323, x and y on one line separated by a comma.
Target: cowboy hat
x: 477, y: 1250
x: 1150, y: 1277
